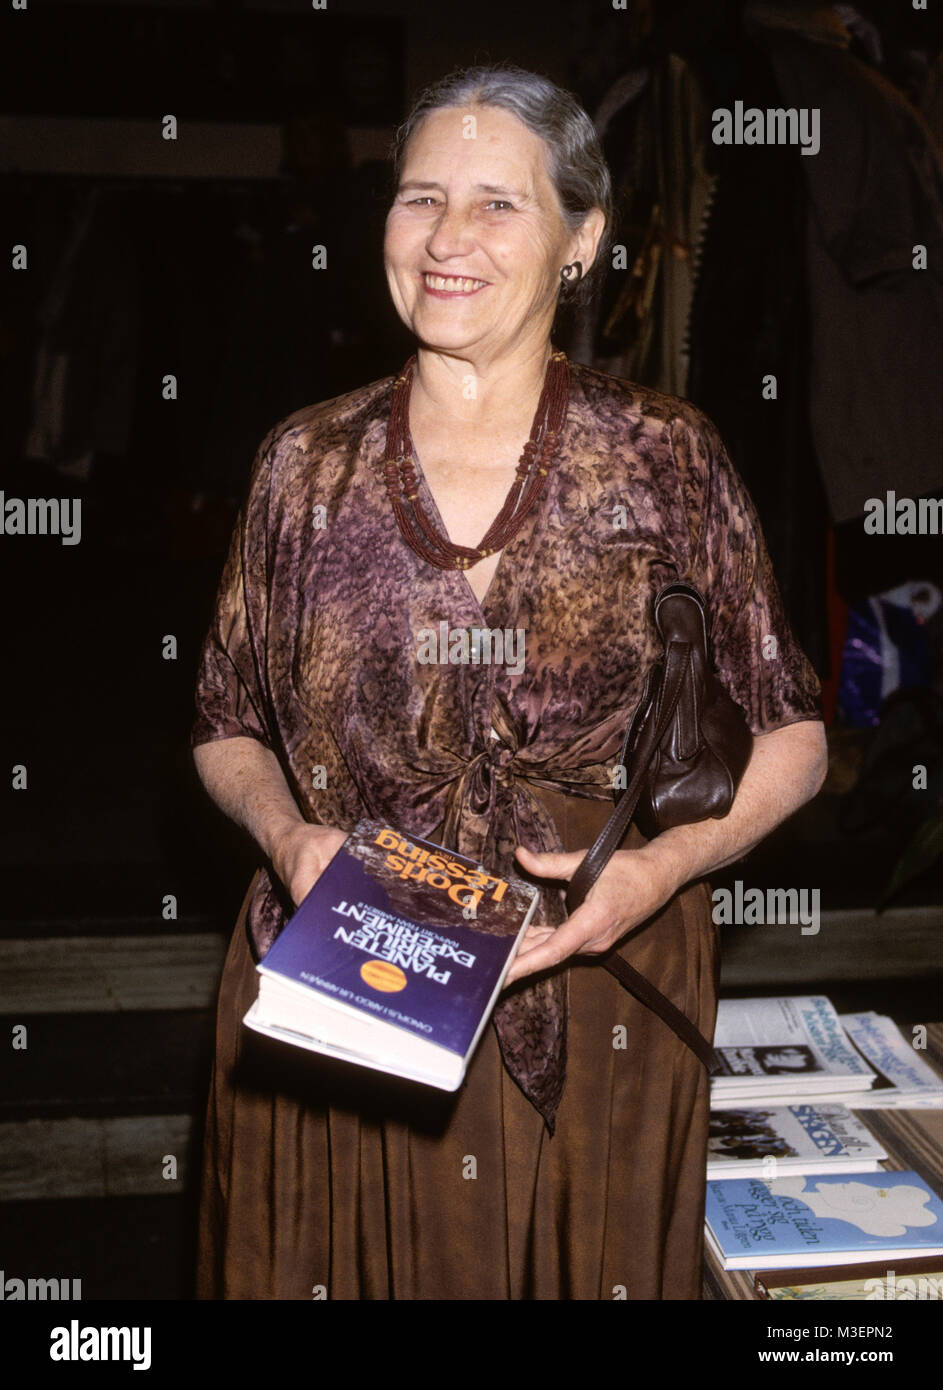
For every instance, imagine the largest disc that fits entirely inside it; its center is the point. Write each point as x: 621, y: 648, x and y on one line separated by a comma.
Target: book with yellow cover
x: 907, y: 1280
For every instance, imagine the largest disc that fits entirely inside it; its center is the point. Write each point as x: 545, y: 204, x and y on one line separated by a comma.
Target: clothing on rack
x: 656, y: 126
x: 86, y: 361
x: 749, y: 324
x: 875, y: 194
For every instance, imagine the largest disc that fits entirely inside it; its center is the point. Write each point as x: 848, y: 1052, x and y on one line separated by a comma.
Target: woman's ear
x: 587, y: 239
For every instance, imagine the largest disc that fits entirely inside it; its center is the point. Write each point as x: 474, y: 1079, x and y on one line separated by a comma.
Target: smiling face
x: 475, y: 238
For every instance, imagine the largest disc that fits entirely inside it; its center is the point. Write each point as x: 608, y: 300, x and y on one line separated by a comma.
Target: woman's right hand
x: 302, y: 853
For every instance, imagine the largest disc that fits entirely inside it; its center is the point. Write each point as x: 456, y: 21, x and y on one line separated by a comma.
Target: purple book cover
x: 406, y: 930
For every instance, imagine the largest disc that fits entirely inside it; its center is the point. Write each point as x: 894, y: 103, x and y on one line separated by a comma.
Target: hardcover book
x: 395, y: 958
x: 805, y: 1221
x: 885, y: 1279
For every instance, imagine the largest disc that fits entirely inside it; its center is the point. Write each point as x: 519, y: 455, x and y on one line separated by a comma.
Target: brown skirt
x: 322, y: 1179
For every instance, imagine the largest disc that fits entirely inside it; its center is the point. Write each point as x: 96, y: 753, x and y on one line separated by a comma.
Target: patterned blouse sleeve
x: 231, y: 690
x: 755, y: 653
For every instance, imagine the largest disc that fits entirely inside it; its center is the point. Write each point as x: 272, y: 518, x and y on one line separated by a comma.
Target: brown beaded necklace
x: 530, y: 480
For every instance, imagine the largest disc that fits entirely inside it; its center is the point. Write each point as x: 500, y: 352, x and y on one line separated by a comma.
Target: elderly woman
x: 490, y: 484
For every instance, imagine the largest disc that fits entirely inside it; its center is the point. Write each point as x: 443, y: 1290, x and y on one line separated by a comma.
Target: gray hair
x: 575, y: 161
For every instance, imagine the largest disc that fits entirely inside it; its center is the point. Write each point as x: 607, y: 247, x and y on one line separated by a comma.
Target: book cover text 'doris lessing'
x: 414, y: 933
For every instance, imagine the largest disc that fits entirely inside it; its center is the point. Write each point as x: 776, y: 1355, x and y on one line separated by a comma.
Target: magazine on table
x: 904, y: 1080
x: 807, y: 1138
x: 784, y: 1051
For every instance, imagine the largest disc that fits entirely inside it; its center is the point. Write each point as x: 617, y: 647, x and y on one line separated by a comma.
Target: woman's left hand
x: 634, y: 885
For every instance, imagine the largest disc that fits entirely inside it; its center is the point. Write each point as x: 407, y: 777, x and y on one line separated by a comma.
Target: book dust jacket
x: 402, y: 929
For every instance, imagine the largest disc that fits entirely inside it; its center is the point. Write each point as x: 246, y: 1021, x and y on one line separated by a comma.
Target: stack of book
x: 784, y: 1051
x: 783, y: 1140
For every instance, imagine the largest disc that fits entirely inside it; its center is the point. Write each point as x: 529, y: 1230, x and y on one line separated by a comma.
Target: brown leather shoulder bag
x: 685, y: 751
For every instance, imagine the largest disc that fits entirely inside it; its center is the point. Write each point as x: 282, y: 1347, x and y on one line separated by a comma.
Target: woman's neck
x: 468, y: 392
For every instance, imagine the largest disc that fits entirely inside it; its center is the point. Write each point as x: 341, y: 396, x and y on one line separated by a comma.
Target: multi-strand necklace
x: 525, y: 491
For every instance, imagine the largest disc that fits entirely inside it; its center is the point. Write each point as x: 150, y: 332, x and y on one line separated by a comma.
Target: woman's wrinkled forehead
x: 492, y: 147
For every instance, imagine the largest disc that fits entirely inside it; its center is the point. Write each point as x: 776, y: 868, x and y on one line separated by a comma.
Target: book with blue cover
x: 818, y: 1219
x: 903, y: 1080
x: 395, y: 958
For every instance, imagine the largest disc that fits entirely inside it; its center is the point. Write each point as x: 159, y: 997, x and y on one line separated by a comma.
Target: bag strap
x: 660, y: 1004
x: 677, y: 665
